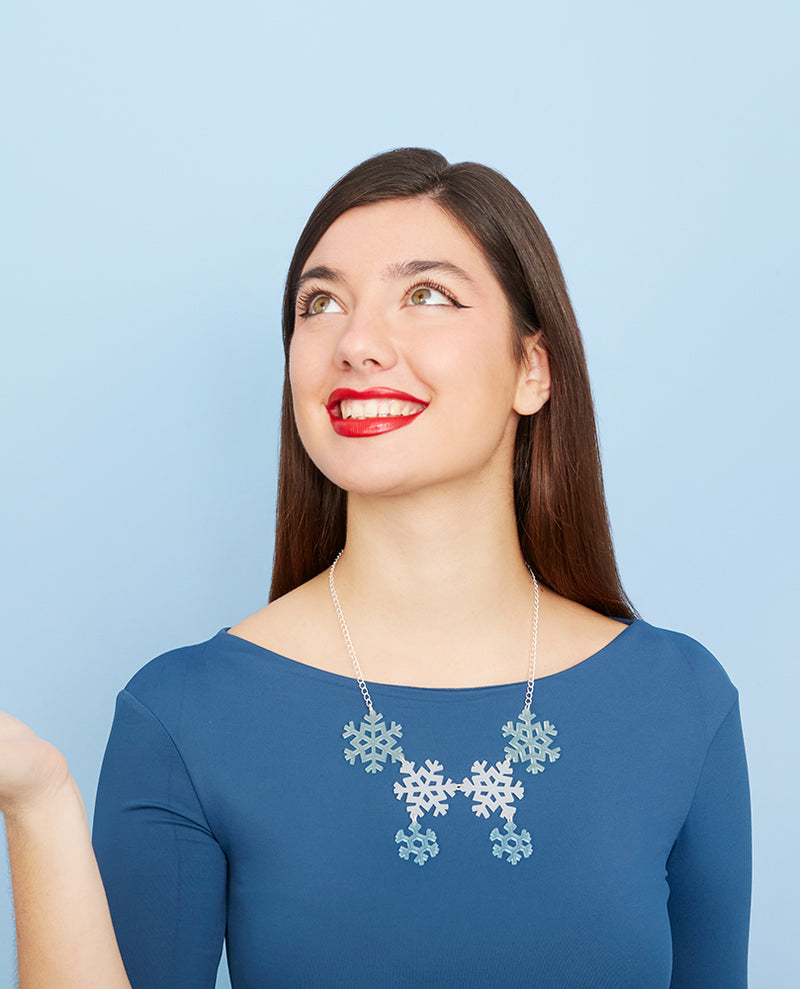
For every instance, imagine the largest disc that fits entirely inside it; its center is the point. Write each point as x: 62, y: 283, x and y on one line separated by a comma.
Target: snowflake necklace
x: 425, y: 788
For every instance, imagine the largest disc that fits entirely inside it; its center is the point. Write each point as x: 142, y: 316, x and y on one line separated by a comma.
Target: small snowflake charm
x: 373, y: 742
x: 515, y: 846
x: 424, y: 789
x: 416, y: 845
x: 531, y: 742
x: 492, y: 789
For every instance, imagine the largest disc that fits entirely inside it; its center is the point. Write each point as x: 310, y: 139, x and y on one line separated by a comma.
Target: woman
x: 357, y: 785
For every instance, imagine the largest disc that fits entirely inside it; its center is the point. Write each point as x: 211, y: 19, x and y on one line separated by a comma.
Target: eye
x: 427, y: 295
x: 318, y: 303
x: 322, y: 303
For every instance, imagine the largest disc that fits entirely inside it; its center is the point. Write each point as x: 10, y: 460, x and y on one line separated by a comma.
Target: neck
x: 426, y: 575
x: 427, y: 552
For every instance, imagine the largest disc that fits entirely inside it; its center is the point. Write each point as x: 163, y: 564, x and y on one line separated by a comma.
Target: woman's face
x: 401, y: 362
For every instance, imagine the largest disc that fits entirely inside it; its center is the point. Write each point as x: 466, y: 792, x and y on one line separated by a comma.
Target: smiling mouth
x: 373, y: 412
x: 376, y: 408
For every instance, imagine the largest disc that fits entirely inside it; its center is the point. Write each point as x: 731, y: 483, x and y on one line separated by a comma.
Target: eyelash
x: 306, y: 296
x: 437, y: 288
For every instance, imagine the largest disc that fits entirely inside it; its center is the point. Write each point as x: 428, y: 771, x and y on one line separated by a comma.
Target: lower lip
x: 371, y: 427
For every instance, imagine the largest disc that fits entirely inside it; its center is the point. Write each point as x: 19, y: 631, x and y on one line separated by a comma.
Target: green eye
x: 318, y: 304
x: 429, y: 295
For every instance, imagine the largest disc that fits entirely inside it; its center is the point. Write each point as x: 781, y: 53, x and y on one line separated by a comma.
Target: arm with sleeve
x: 709, y: 871
x: 165, y: 874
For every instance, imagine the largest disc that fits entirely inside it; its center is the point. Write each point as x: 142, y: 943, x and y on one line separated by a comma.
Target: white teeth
x: 375, y: 409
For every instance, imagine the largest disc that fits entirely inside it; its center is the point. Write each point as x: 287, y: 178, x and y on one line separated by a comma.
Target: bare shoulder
x: 300, y: 625
x: 570, y: 633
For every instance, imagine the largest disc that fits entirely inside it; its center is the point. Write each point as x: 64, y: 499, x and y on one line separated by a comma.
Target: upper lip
x: 343, y: 394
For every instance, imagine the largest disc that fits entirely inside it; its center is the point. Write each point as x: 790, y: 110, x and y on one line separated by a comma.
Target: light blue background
x: 160, y: 160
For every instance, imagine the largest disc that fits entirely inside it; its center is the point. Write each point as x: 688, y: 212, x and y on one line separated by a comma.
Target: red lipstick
x: 373, y: 426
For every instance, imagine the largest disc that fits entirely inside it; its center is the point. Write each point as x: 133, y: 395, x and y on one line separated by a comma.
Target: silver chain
x: 534, y: 641
x: 347, y: 640
x: 362, y: 686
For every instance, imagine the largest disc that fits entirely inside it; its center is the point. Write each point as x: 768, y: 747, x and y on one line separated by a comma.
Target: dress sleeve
x: 709, y: 871
x: 165, y: 874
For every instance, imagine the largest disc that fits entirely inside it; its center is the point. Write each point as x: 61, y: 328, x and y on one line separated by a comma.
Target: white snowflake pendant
x: 425, y: 789
x: 493, y: 789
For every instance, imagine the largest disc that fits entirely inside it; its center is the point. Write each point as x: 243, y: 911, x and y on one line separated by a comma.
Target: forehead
x: 367, y: 238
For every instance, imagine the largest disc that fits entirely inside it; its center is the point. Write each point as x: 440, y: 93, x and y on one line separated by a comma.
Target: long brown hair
x: 562, y: 519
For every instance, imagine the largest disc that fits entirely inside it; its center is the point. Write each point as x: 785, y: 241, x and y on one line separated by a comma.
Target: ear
x: 533, y: 389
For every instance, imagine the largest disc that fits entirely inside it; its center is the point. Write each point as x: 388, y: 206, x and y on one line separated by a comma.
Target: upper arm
x: 164, y: 872
x: 709, y: 871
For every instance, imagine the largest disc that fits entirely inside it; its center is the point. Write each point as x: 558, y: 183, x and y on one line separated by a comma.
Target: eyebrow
x: 323, y: 273
x: 403, y: 269
x: 409, y: 268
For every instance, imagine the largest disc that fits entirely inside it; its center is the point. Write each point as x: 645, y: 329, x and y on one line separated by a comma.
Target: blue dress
x: 246, y: 797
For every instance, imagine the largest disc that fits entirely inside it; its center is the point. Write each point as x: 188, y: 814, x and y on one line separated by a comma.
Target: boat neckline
x: 582, y: 665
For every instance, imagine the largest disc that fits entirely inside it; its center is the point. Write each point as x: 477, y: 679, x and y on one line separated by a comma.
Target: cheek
x: 305, y: 367
x: 303, y: 380
x: 293, y: 382
x: 480, y: 371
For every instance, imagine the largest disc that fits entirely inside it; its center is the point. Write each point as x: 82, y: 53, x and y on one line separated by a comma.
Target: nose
x: 365, y: 342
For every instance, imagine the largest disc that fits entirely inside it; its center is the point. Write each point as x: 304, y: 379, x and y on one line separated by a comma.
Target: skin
x: 378, y: 331
x: 65, y: 939
x: 432, y: 581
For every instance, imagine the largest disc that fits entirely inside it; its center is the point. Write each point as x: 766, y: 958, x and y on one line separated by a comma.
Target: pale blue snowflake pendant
x: 530, y: 742
x: 373, y: 742
x: 491, y: 786
x: 515, y: 846
x: 417, y: 846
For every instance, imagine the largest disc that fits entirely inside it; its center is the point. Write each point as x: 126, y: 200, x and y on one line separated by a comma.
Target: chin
x: 370, y: 472
x: 375, y: 486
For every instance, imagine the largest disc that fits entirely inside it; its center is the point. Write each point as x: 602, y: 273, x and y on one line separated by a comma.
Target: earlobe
x: 533, y: 389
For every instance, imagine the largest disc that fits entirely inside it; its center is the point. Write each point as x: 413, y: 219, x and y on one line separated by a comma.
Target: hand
x: 30, y: 768
x: 64, y: 933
